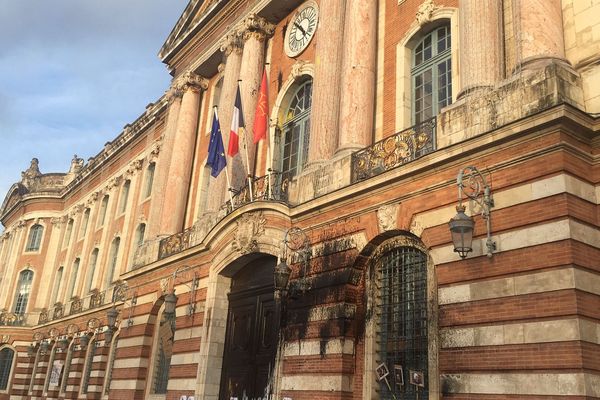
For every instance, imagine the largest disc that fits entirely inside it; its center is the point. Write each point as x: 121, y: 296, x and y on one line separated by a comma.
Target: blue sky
x: 73, y: 73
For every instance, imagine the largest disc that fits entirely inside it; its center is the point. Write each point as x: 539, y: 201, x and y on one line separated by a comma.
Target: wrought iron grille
x: 402, y: 305
x: 88, y: 366
x: 113, y: 353
x: 261, y: 191
x: 66, y: 370
x: 6, y: 360
x: 394, y: 151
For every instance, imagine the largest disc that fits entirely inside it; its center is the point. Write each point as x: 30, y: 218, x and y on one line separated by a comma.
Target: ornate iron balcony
x: 393, y: 151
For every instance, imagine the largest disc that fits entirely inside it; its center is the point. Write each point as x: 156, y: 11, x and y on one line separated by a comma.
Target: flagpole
x: 229, y: 188
x: 270, y: 167
x: 248, y: 166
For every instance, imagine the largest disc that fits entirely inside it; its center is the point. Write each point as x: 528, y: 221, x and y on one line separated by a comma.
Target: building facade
x: 328, y: 271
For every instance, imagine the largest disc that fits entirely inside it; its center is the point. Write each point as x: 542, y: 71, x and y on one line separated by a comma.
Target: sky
x: 73, y: 73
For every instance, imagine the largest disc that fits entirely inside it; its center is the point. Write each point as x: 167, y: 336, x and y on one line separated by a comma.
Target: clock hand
x: 301, y: 28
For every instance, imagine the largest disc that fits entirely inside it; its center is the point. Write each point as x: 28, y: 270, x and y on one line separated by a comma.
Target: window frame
x: 12, y: 367
x: 149, y: 179
x: 124, y: 196
x: 34, y: 239
x: 17, y: 292
x: 103, y: 210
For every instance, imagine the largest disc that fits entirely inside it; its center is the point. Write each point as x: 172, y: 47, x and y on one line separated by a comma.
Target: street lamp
x: 281, y: 276
x: 170, y: 303
x: 471, y: 183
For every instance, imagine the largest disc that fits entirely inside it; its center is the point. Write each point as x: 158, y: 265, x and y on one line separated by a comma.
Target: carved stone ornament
x: 232, y: 42
x: 4, y: 339
x: 387, y: 217
x: 72, y: 329
x: 93, y: 324
x: 53, y: 333
x: 249, y: 228
x: 255, y: 26
x: 38, y: 336
x: 28, y: 176
x: 113, y: 182
x: 43, y: 316
x: 297, y: 68
x: 425, y: 12
x: 190, y: 80
x: 164, y: 285
x: 57, y: 220
x: 155, y: 150
x: 133, y: 167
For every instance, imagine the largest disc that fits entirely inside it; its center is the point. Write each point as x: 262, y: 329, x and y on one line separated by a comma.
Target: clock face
x: 301, y: 29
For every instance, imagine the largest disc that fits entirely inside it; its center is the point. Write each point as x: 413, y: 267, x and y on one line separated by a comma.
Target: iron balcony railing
x: 393, y: 151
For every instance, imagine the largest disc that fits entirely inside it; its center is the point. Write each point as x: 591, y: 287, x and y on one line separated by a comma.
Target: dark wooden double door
x: 251, y: 336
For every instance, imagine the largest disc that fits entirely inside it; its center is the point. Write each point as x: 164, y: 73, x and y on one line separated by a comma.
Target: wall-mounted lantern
x: 471, y: 183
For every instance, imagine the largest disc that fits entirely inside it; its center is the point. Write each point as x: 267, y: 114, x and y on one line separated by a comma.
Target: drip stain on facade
x: 320, y: 264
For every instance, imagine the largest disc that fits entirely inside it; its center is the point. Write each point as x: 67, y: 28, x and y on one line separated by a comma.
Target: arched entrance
x: 252, y: 332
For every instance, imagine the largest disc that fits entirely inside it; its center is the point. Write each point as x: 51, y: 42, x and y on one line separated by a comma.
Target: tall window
x: 6, y: 362
x: 402, y: 314
x: 68, y: 233
x: 91, y: 352
x: 149, y: 179
x: 431, y: 74
x: 163, y: 353
x: 73, y: 280
x: 124, y: 196
x: 296, y: 130
x: 57, y: 283
x: 84, y: 222
x: 35, y: 238
x: 91, y: 270
x: 139, y: 234
x: 112, y: 261
x: 103, y: 208
x: 23, y: 290
x: 111, y: 364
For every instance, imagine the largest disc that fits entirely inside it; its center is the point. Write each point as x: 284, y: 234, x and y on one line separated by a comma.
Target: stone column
x: 232, y: 50
x: 357, y: 106
x: 481, y: 44
x: 161, y: 172
x: 538, y: 32
x: 180, y: 164
x: 324, y: 124
x: 254, y: 31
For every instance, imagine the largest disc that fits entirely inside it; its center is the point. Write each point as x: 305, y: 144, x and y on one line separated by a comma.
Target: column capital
x: 189, y: 80
x: 232, y: 43
x: 256, y: 27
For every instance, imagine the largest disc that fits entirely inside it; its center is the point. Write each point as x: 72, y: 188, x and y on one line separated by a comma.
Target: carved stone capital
x: 190, y: 81
x: 155, y: 150
x: 113, y: 182
x: 232, y: 43
x: 256, y: 27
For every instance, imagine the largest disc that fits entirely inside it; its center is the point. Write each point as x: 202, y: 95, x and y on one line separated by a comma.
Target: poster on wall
x: 57, y: 367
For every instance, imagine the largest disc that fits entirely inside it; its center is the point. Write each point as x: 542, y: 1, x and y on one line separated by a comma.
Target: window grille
x: 402, y: 307
x: 23, y: 290
x: 163, y: 356
x: 432, y: 74
x: 6, y: 361
x: 35, y: 238
x: 113, y: 353
x: 88, y: 366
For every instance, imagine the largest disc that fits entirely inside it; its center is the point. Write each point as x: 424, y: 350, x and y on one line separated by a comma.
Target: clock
x: 301, y: 29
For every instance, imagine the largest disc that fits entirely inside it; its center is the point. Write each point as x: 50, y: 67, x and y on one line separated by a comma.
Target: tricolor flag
x: 237, y: 122
x: 216, y: 151
x: 262, y: 109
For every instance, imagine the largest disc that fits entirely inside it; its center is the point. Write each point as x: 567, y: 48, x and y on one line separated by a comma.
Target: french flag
x: 237, y: 122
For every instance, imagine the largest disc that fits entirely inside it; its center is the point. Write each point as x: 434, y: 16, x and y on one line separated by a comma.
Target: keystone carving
x: 425, y: 12
x: 387, y: 217
x: 249, y: 228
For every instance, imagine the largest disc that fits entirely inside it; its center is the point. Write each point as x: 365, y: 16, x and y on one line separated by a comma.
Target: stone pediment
x: 195, y: 11
x: 14, y: 195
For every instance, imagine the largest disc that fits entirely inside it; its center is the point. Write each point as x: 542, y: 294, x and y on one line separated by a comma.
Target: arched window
x: 35, y: 238
x: 431, y: 74
x: 57, y: 283
x: 23, y: 290
x: 139, y: 234
x: 401, y: 314
x: 91, y: 270
x: 87, y: 372
x: 124, y: 196
x: 149, y: 179
x: 7, y: 356
x: 103, y: 208
x: 73, y: 281
x: 112, y: 261
x: 68, y: 233
x: 163, y: 351
x: 84, y: 222
x: 296, y: 130
x: 64, y: 378
x: 111, y: 364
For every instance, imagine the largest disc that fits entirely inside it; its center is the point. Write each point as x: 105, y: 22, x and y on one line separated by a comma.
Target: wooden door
x: 251, y: 336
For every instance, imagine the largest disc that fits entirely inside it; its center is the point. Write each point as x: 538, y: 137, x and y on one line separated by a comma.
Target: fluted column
x: 180, y: 165
x: 232, y: 50
x: 538, y: 32
x: 358, y: 75
x: 481, y: 50
x: 162, y: 166
x: 324, y: 125
x: 254, y: 31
